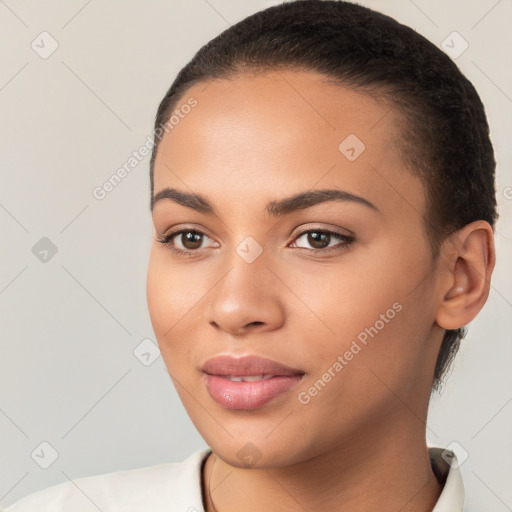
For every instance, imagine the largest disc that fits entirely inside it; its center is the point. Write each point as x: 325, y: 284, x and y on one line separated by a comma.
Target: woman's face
x: 342, y: 292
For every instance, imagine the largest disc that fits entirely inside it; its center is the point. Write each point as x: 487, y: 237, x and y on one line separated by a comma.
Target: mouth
x: 248, y: 382
x: 247, y: 378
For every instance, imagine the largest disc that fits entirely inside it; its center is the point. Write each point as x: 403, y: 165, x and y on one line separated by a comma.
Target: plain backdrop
x: 73, y: 268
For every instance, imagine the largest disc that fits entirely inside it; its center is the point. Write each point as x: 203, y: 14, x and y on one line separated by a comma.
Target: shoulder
x: 163, y: 487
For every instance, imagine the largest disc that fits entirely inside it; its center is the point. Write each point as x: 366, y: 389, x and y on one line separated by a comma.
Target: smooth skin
x: 359, y: 444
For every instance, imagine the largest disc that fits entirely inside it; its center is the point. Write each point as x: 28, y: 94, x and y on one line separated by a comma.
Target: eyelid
x: 184, y: 228
x: 315, y: 226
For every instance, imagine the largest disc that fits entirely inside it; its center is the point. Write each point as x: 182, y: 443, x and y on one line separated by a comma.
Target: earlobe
x: 465, y: 283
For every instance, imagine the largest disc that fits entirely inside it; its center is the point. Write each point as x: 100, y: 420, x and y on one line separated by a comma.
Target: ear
x: 465, y: 282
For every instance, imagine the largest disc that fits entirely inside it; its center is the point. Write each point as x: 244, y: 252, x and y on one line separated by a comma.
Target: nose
x: 246, y: 299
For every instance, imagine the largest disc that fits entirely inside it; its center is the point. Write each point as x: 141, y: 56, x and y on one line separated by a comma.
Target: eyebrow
x: 275, y: 208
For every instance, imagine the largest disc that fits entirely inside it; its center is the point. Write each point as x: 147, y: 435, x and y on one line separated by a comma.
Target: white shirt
x: 175, y: 487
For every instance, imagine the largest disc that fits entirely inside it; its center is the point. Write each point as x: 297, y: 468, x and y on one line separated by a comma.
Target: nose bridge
x: 245, y: 294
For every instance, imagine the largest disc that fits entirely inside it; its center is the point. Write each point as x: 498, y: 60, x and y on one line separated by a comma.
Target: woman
x: 322, y: 192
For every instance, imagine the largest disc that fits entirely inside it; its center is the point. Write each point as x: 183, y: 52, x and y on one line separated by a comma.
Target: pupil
x: 318, y: 240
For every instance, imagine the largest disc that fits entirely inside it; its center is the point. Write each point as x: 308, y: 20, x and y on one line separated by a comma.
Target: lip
x: 248, y: 395
x: 247, y: 365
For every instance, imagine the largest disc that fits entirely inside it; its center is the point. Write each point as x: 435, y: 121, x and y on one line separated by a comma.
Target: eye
x: 186, y: 242
x: 189, y: 242
x: 321, y: 240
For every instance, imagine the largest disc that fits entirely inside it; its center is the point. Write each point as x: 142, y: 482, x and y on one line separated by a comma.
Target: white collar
x: 452, y: 495
x: 178, y: 486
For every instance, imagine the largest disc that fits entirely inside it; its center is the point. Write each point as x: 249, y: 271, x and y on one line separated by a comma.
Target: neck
x: 390, y: 472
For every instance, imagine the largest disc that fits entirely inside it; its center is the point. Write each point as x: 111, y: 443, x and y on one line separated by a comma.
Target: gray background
x: 70, y: 324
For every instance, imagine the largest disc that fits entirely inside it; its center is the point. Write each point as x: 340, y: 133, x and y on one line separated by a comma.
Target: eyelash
x: 187, y: 253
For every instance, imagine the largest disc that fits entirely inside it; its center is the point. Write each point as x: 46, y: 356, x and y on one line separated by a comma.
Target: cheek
x: 370, y: 308
x: 171, y: 296
x: 342, y: 300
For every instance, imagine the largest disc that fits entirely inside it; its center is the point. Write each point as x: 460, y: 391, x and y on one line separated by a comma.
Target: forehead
x: 258, y: 133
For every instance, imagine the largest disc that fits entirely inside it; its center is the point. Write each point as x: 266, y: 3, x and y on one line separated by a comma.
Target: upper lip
x: 247, y: 365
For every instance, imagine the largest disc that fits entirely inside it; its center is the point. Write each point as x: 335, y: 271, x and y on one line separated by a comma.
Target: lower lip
x: 248, y: 395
